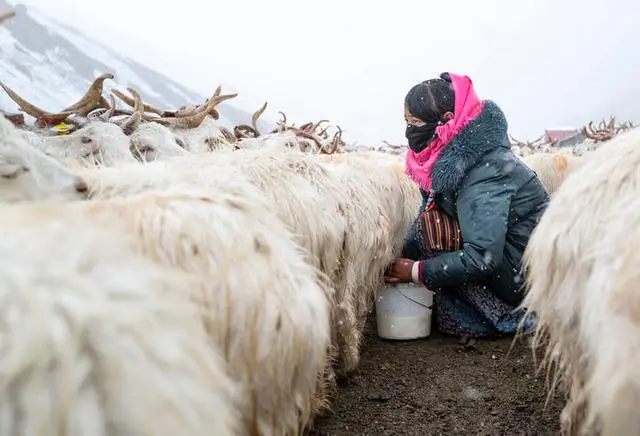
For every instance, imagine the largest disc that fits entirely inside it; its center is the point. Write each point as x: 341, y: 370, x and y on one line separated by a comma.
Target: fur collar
x: 481, y: 136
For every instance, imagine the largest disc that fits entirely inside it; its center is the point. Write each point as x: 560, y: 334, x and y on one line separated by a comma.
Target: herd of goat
x: 164, y: 275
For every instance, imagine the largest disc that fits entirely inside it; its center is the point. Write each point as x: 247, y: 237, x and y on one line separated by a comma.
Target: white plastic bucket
x: 403, y: 311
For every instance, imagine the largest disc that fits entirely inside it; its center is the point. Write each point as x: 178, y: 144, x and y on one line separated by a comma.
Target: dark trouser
x: 471, y: 309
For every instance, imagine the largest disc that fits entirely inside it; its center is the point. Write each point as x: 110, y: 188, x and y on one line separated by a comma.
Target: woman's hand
x: 400, y: 271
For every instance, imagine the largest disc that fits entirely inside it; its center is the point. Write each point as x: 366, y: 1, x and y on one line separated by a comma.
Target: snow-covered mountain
x: 51, y: 65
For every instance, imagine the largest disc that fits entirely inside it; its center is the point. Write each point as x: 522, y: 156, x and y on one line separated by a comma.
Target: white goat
x: 204, y: 138
x: 98, y: 143
x: 553, y: 168
x: 583, y: 274
x: 280, y: 140
x: 28, y: 175
x: 96, y: 339
x: 95, y: 141
x: 152, y: 141
x: 267, y: 308
x: 350, y: 217
x: 105, y: 143
x: 285, y: 139
x: 382, y: 204
x: 195, y: 125
x: 298, y: 201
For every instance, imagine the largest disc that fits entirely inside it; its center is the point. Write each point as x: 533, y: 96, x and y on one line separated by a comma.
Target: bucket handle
x: 411, y: 299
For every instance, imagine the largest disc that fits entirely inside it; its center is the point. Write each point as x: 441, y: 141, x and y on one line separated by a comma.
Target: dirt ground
x: 436, y: 386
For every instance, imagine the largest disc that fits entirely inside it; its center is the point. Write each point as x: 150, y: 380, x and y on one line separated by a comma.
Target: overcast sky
x: 546, y: 63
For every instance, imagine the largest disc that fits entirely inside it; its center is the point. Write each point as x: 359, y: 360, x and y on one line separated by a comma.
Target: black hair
x: 430, y: 100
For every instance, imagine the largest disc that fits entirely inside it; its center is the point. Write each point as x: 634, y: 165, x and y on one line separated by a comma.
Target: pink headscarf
x: 467, y: 107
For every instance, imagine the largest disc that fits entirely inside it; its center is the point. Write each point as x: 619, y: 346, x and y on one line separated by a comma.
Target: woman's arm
x: 483, y: 204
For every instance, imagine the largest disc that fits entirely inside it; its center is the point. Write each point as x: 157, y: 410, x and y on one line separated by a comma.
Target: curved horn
x: 335, y: 143
x: 130, y: 102
x: 193, y: 109
x: 254, y: 118
x: 187, y: 122
x: 282, y: 124
x: 307, y: 127
x: 131, y: 124
x: 305, y: 134
x: 284, y: 118
x: 192, y: 121
x: 104, y: 103
x: 515, y: 141
x: 216, y: 100
x: 92, y: 97
x: 323, y: 132
x: 43, y: 116
x: 316, y: 125
x: 597, y: 135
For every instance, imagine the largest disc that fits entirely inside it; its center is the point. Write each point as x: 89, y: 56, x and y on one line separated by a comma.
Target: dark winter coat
x: 497, y: 201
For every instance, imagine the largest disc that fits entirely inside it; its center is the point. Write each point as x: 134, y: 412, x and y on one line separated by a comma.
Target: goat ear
x: 9, y: 170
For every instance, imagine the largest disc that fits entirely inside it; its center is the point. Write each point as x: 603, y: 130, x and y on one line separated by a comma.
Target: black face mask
x: 420, y: 137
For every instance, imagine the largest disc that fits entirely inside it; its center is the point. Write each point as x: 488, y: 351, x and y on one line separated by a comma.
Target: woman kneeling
x: 480, y: 205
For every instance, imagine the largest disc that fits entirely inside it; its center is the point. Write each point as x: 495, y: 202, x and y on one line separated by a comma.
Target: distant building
x: 563, y: 136
x: 557, y: 134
